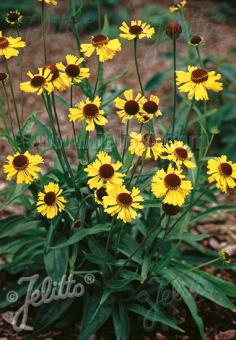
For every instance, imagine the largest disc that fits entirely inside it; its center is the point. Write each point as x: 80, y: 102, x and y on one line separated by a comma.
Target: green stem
x: 97, y: 80
x: 175, y: 90
x: 136, y: 65
x: 9, y: 113
x: 108, y: 243
x: 187, y: 117
x: 71, y: 105
x: 199, y: 56
x: 14, y: 102
x: 125, y: 140
x: 43, y: 32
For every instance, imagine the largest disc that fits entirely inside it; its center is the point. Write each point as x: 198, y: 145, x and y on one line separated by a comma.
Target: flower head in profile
x: 137, y: 29
x: 104, y: 47
x: 122, y: 203
x: 149, y: 109
x: 178, y: 6
x: 90, y: 112
x: 145, y: 144
x: 130, y: 106
x: 178, y: 152
x: 14, y: 18
x: 73, y: 70
x: 39, y: 82
x: 59, y: 79
x: 223, y: 172
x: 51, y: 201
x: 227, y: 253
x: 49, y: 2
x: 103, y: 171
x: 197, y: 82
x: 9, y: 46
x: 3, y: 76
x: 99, y: 194
x: 171, y: 186
x: 196, y: 41
x: 24, y: 167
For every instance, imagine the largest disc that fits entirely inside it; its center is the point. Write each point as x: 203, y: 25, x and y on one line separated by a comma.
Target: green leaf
x: 210, y: 211
x: 15, y: 191
x: 157, y: 80
x: 121, y: 322
x: 56, y: 262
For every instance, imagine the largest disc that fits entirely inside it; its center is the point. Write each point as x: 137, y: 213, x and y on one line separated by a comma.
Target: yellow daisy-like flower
x: 23, y: 166
x: 177, y: 152
x: 51, y: 202
x: 14, y: 18
x: 178, y: 6
x: 72, y: 70
x: 103, y: 171
x: 122, y: 203
x: 197, y: 81
x: 9, y: 46
x: 39, y: 82
x: 222, y: 172
x: 149, y: 109
x: 59, y: 80
x: 99, y: 194
x: 105, y: 48
x: 49, y: 2
x: 137, y: 29
x: 90, y: 112
x: 130, y: 106
x: 171, y: 185
x: 146, y: 144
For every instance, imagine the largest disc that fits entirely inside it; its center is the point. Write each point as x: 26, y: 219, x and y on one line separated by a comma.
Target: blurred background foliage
x: 222, y: 119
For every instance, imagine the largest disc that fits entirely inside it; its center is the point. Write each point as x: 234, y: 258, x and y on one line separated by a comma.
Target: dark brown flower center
x: 101, y: 192
x: 196, y: 39
x: 3, y: 76
x: 199, y: 75
x: 125, y: 199
x: 150, y: 107
x: 90, y: 110
x: 170, y: 209
x: 172, y: 181
x: 173, y: 30
x: 181, y: 153
x: 149, y: 140
x: 37, y: 81
x: 131, y: 107
x: 13, y: 16
x: 72, y: 70
x: 54, y: 70
x: 20, y: 162
x: 3, y: 42
x: 106, y: 171
x: 50, y: 198
x: 135, y: 29
x: 226, y: 169
x: 99, y: 39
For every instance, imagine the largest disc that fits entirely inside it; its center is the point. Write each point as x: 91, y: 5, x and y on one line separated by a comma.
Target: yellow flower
x: 99, y: 194
x: 145, y: 144
x: 122, y: 203
x: 23, y: 166
x: 130, y: 106
x: 222, y: 172
x: 197, y: 81
x: 73, y: 71
x: 171, y: 185
x: 14, y: 18
x: 178, y: 152
x: 137, y: 29
x: 59, y: 80
x: 90, y: 112
x: 39, y: 82
x: 105, y: 48
x: 51, y: 202
x: 149, y: 110
x: 50, y: 2
x: 102, y: 171
x: 9, y: 46
x: 178, y: 6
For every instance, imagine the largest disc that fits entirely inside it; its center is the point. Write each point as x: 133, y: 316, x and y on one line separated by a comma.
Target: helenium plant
x: 119, y: 218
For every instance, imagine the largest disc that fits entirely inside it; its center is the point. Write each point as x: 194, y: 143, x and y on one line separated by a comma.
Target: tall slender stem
x: 137, y: 67
x: 125, y: 140
x: 43, y: 32
x: 175, y: 89
x: 97, y: 80
x: 14, y: 102
x: 9, y: 112
x: 71, y: 105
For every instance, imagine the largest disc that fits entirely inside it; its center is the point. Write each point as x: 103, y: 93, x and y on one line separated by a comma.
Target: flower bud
x: 170, y: 209
x: 173, y: 30
x: 3, y: 76
x: 196, y: 41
